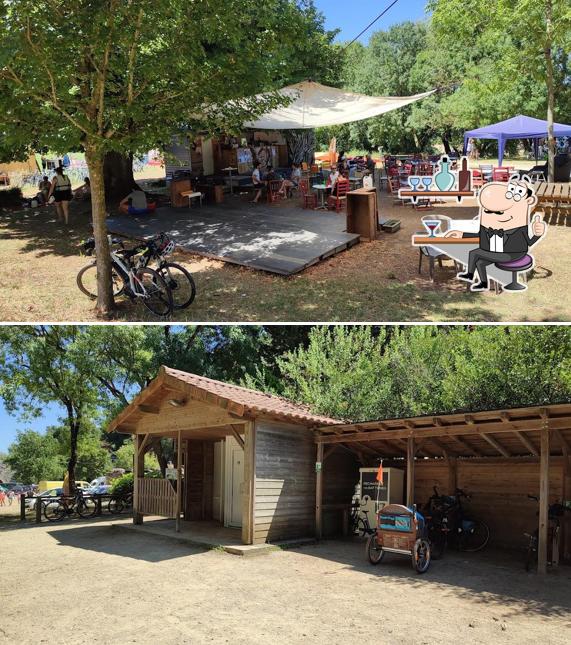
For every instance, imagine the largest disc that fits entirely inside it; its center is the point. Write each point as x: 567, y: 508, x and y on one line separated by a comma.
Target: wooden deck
x: 282, y: 239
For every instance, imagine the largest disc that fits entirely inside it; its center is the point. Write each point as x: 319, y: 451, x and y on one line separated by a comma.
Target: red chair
x: 338, y: 200
x: 477, y: 179
x: 501, y: 174
x: 309, y: 199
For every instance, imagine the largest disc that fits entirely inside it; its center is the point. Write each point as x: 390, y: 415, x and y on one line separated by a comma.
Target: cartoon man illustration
x: 505, y: 213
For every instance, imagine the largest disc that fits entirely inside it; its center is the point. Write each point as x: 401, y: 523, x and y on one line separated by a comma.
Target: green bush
x: 122, y: 485
x: 11, y: 198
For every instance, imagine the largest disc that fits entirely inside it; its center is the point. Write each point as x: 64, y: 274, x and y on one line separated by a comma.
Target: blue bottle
x: 444, y: 179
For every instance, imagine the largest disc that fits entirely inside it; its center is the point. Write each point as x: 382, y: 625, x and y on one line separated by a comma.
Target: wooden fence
x: 156, y: 497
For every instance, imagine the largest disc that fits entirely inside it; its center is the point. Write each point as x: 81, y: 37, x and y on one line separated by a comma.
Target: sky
x: 352, y: 19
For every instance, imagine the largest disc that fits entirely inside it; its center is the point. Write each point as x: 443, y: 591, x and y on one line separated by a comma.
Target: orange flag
x: 380, y: 473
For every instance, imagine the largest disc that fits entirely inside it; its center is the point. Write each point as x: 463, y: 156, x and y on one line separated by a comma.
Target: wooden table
x: 459, y: 250
x: 553, y: 196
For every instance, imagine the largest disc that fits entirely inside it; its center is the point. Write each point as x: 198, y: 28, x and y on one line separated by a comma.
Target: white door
x: 218, y: 482
x: 234, y: 483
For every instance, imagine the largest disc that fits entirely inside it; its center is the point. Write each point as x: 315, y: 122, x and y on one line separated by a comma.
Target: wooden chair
x: 308, y: 198
x: 477, y: 179
x: 338, y: 200
x: 393, y: 187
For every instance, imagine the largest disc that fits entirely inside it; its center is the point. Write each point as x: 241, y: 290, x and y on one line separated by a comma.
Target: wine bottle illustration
x: 444, y: 179
x: 464, y: 177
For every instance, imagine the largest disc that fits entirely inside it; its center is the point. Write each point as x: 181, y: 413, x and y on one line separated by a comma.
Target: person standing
x: 258, y: 183
x: 61, y: 191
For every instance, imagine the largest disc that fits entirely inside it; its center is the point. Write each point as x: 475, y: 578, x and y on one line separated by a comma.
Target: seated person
x: 136, y: 204
x: 44, y: 188
x: 293, y: 181
x: 259, y: 185
x: 332, y: 180
x: 370, y: 164
x: 84, y: 191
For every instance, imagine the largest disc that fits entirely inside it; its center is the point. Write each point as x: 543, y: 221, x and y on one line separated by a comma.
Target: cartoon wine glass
x: 427, y: 181
x: 431, y: 225
x: 414, y: 181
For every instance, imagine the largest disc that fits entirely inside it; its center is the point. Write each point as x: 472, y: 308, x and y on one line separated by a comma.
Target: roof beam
x: 466, y: 446
x: 445, y: 451
x: 566, y: 449
x: 237, y: 436
x: 148, y: 409
x: 527, y: 443
x: 496, y: 445
x: 470, y: 428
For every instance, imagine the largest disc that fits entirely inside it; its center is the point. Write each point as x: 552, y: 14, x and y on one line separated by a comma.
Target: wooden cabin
x: 248, y: 458
x: 272, y: 468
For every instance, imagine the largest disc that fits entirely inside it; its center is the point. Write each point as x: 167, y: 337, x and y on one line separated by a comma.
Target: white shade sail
x: 315, y: 105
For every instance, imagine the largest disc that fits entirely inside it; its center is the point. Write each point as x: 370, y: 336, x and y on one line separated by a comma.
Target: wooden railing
x: 156, y: 497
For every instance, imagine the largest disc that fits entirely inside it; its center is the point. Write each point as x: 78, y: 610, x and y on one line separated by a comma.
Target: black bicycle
x: 359, y: 521
x: 554, y: 514
x: 79, y: 504
x: 447, y: 522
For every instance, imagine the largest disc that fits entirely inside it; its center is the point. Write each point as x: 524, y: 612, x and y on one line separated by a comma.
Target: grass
x: 378, y: 281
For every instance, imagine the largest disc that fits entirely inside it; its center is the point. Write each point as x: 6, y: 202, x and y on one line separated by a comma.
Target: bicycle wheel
x: 87, y: 507
x: 181, y: 284
x: 475, y: 536
x: 363, y: 528
x: 116, y: 505
x: 53, y: 511
x: 87, y: 281
x: 421, y: 555
x: 375, y: 553
x: 153, y: 292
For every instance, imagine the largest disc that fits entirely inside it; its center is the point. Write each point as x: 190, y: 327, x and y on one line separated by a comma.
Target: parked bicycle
x: 448, y: 521
x: 129, y: 277
x: 79, y: 504
x: 119, y: 503
x: 554, y: 514
x: 359, y: 521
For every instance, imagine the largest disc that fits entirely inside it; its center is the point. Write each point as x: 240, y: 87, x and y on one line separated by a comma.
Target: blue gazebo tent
x: 518, y: 127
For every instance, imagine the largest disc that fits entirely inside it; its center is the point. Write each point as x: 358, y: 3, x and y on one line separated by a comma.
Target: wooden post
x: 410, y: 471
x: 452, y: 475
x: 249, y: 484
x: 566, y: 533
x: 178, y: 479
x: 319, y: 492
x: 543, y: 499
x: 138, y: 471
x: 38, y: 510
x: 22, y: 507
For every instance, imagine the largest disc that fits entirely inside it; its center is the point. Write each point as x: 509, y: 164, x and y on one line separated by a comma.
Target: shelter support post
x: 249, y: 485
x: 410, y: 471
x: 138, y: 471
x: 178, y: 479
x: 452, y: 475
x: 319, y: 492
x: 566, y: 497
x: 543, y: 499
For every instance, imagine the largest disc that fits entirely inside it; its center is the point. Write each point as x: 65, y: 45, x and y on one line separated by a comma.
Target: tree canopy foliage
x: 486, y: 59
x: 356, y: 372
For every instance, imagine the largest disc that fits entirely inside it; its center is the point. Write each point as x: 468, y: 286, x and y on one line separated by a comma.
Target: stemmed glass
x: 414, y: 181
x: 431, y: 225
x: 427, y: 181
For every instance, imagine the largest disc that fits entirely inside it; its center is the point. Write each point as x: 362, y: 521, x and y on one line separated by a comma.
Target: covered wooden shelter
x: 501, y: 456
x: 243, y: 459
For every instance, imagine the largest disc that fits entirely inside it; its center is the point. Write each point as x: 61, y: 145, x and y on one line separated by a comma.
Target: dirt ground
x: 378, y: 281
x: 89, y: 583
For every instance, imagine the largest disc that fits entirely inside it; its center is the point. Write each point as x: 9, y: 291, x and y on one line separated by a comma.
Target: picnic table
x: 554, y: 198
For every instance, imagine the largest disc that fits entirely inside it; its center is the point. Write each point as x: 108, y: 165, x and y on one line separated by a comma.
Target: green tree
x: 34, y: 457
x: 39, y: 366
x: 125, y: 456
x: 537, y: 35
x: 118, y: 76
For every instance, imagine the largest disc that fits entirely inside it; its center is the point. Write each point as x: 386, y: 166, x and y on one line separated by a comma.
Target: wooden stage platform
x: 280, y: 239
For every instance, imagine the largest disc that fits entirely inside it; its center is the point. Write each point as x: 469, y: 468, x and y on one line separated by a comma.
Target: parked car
x: 101, y: 489
x: 52, y: 492
x: 99, y: 481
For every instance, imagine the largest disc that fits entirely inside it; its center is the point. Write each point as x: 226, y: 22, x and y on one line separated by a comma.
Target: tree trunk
x: 300, y: 145
x: 94, y: 159
x: 446, y: 143
x: 550, y: 89
x: 118, y: 175
x: 72, y: 462
x: 157, y: 448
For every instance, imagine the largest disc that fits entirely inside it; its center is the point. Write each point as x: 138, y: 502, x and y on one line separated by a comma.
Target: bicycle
x: 554, y: 514
x: 117, y: 504
x: 56, y: 510
x: 446, y: 518
x: 139, y: 283
x: 359, y: 521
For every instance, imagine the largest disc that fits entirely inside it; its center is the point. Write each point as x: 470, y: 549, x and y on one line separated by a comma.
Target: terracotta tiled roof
x: 253, y: 401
